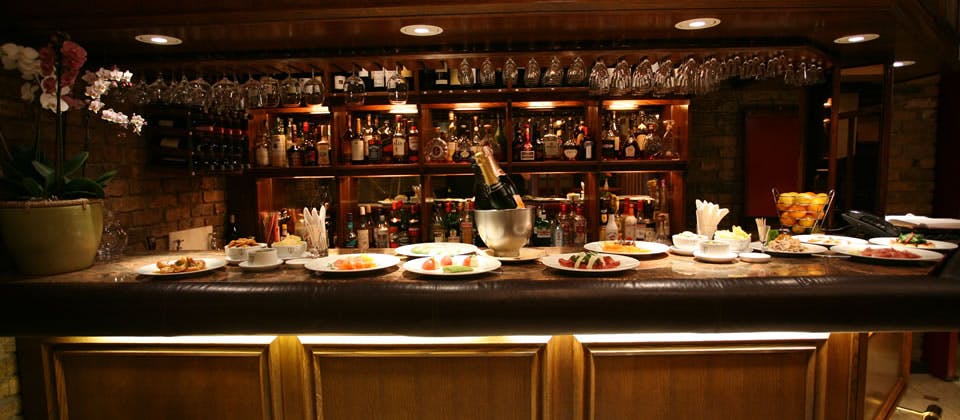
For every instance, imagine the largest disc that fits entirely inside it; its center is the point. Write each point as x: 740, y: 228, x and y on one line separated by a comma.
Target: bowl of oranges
x: 802, y: 212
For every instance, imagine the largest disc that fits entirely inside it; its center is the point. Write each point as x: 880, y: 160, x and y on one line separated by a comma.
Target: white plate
x: 807, y: 250
x: 526, y: 254
x: 829, y: 240
x: 754, y: 257
x: 245, y: 266
x: 937, y: 245
x: 484, y: 264
x: 856, y: 251
x: 728, y: 257
x: 430, y: 249
x: 232, y: 261
x: 682, y: 251
x: 301, y: 256
x: 626, y: 263
x: 212, y: 264
x: 325, y: 264
x: 298, y: 262
x: 651, y: 248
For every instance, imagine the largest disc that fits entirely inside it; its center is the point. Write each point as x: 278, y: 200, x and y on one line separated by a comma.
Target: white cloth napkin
x: 316, y: 228
x: 708, y: 217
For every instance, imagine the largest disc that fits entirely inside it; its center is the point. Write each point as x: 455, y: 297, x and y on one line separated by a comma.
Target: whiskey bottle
x: 357, y: 145
x: 413, y: 142
x: 586, y: 143
x: 323, y: 145
x: 386, y: 141
x: 374, y: 145
x: 399, y: 143
x: 363, y: 233
x: 551, y: 142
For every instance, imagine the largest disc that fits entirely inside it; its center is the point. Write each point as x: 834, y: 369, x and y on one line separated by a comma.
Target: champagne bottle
x: 502, y: 176
x: 480, y: 192
x: 497, y: 192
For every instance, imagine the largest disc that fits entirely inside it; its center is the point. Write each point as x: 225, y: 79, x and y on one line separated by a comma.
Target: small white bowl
x: 682, y: 241
x: 714, y: 248
x: 290, y: 251
x: 737, y: 245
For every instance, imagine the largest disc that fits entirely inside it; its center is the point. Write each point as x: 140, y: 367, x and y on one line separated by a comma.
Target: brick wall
x: 9, y: 382
x: 715, y: 169
x: 913, y: 146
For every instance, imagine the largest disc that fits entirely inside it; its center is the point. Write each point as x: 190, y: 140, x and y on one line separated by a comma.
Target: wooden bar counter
x: 796, y: 338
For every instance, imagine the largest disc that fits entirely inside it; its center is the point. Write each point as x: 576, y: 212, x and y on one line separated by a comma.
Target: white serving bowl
x: 682, y: 241
x: 714, y: 248
x: 737, y: 245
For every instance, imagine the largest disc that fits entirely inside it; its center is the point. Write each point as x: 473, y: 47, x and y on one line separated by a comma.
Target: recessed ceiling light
x: 856, y: 38
x: 421, y: 30
x: 903, y: 63
x: 698, y: 23
x: 158, y: 39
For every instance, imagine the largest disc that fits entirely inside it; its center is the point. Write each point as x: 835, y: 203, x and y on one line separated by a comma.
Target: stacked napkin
x: 316, y: 229
x: 708, y: 217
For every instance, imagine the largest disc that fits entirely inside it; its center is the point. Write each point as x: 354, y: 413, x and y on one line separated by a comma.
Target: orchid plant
x: 50, y: 74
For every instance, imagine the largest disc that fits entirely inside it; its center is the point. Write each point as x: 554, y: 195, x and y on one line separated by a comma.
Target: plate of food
x: 436, y: 249
x: 786, y: 245
x: 914, y: 240
x: 352, y: 263
x: 590, y: 262
x: 887, y: 254
x: 452, y: 266
x: 829, y: 240
x: 627, y: 247
x: 181, y: 266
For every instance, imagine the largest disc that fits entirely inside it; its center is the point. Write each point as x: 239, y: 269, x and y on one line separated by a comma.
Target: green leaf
x: 77, y: 161
x: 106, y: 177
x: 32, y: 187
x: 47, y: 174
x: 10, y: 171
x: 82, y: 188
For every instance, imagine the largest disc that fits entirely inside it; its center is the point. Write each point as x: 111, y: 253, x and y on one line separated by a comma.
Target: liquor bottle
x: 381, y: 236
x: 278, y: 145
x: 629, y: 222
x: 551, y: 142
x: 399, y: 143
x: 309, y: 147
x: 586, y: 143
x: 437, y: 148
x: 357, y: 146
x: 566, y: 226
x: 631, y: 150
x: 437, y: 229
x: 610, y: 145
x: 351, y: 239
x: 323, y: 145
x: 518, y: 141
x: 374, y: 144
x: 537, y: 132
x: 413, y: 225
x: 527, y: 153
x: 452, y: 223
x: 559, y: 234
x: 263, y: 147
x: 579, y: 228
x: 611, y: 231
x: 571, y: 149
x: 232, y: 231
x: 413, y: 142
x: 499, y: 141
x: 363, y: 232
x: 386, y: 141
x: 466, y: 223
x: 393, y: 224
x: 542, y: 230
x: 294, y: 153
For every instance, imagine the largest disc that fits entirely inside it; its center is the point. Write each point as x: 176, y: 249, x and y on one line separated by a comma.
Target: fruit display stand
x: 802, y: 212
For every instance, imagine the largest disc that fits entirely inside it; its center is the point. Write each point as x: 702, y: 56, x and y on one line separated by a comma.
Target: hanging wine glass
x: 554, y: 74
x: 252, y: 93
x: 157, y: 89
x: 179, y: 93
x: 620, y: 81
x: 290, y: 93
x: 510, y: 72
x: 397, y: 88
x: 222, y: 95
x: 199, y: 95
x: 466, y: 73
x: 488, y: 75
x: 139, y: 93
x: 643, y: 78
x: 599, y: 79
x: 313, y: 90
x: 576, y: 73
x: 532, y: 76
x: 354, y: 90
x: 271, y: 92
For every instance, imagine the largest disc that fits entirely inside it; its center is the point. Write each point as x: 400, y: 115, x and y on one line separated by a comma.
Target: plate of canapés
x: 436, y: 249
x: 789, y: 246
x: 590, y: 262
x: 627, y: 247
x: 181, y: 266
x: 888, y: 254
x: 829, y: 240
x: 914, y: 240
x: 352, y: 263
x: 452, y: 265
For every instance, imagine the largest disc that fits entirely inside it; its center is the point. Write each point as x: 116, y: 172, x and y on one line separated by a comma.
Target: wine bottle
x: 497, y: 192
x: 481, y: 196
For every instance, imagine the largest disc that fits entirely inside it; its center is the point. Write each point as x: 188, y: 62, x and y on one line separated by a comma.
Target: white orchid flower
x: 49, y: 101
x: 95, y: 106
x: 28, y: 91
x: 29, y: 54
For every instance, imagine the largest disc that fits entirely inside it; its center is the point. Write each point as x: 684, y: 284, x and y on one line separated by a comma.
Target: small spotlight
x: 421, y: 30
x: 856, y: 38
x: 698, y: 23
x: 903, y: 63
x: 158, y: 39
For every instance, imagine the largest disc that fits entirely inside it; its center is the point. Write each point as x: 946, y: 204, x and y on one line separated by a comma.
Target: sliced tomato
x: 566, y: 262
x: 446, y: 260
x: 609, y: 262
x: 430, y: 264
